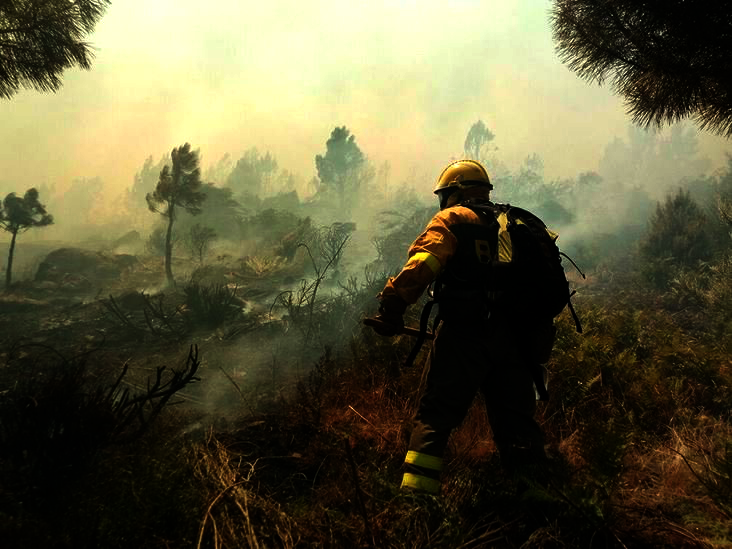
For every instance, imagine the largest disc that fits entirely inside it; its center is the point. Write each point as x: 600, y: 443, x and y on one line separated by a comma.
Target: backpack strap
x: 577, y: 323
x: 537, y: 374
x: 575, y: 265
x: 487, y: 209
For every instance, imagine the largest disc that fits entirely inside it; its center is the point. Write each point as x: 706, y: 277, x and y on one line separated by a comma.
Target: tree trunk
x: 9, y: 268
x: 169, y: 246
x: 343, y: 203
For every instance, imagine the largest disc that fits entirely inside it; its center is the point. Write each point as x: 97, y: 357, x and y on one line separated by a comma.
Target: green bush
x: 679, y: 236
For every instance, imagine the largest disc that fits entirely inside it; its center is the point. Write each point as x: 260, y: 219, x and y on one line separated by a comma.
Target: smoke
x: 407, y: 78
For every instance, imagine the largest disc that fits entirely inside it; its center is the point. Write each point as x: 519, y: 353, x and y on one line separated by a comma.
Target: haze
x: 408, y: 78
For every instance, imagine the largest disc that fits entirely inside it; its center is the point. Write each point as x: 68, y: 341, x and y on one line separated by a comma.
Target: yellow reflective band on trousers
x: 423, y: 460
x: 418, y: 482
x: 505, y: 249
x: 425, y: 257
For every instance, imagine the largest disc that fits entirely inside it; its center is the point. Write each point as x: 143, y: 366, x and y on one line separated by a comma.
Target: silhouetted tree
x: 723, y: 198
x: 17, y: 215
x: 219, y: 172
x: 199, y: 240
x: 343, y: 168
x: 527, y: 186
x: 39, y: 39
x: 252, y: 174
x: 221, y: 212
x: 177, y: 186
x: 313, y: 185
x: 287, y: 181
x: 534, y: 164
x: 724, y: 207
x: 77, y: 203
x: 478, y: 136
x: 652, y: 159
x: 155, y: 244
x: 143, y: 181
x: 678, y: 237
x: 670, y: 60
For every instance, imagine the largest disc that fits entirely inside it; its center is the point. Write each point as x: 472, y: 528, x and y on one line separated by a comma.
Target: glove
x: 391, y: 314
x: 390, y: 326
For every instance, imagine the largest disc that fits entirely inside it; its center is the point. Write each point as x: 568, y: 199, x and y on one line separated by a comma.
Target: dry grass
x: 638, y: 425
x: 236, y: 516
x: 262, y: 265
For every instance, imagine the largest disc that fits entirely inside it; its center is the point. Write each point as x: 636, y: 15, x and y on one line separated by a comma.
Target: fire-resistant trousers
x: 467, y: 356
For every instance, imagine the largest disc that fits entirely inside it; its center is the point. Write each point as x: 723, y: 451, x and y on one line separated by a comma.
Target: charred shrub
x: 398, y: 230
x: 272, y: 225
x: 312, y: 392
x: 710, y: 462
x: 56, y: 418
x: 50, y: 427
x: 211, y: 305
x: 198, y: 241
x: 332, y: 240
x: 138, y: 313
x: 155, y: 244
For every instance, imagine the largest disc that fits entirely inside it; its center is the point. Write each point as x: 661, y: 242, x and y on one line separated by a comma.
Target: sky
x: 408, y: 78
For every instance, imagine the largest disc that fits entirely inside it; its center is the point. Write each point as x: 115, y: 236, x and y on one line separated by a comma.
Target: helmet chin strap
x: 454, y: 198
x: 445, y: 196
x: 457, y: 193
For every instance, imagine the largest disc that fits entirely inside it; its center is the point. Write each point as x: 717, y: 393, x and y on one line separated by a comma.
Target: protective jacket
x: 433, y: 249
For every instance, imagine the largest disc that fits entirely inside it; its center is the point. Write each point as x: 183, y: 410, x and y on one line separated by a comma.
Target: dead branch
x: 148, y: 405
x: 238, y: 390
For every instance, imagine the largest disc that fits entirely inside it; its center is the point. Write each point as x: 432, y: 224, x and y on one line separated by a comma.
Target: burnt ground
x: 133, y: 319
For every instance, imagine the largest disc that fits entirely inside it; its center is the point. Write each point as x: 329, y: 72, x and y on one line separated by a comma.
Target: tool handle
x: 375, y: 322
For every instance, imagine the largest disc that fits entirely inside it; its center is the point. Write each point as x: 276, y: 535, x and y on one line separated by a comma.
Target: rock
x: 76, y: 283
x: 17, y: 304
x: 75, y: 268
x: 128, y: 242
x: 132, y: 301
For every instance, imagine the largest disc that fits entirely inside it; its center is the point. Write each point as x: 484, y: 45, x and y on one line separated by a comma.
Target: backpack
x: 527, y: 267
x: 526, y: 270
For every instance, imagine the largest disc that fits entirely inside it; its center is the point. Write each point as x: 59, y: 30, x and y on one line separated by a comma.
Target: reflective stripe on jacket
x: 429, y: 253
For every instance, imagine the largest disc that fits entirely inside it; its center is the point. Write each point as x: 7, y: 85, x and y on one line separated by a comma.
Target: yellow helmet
x: 463, y: 173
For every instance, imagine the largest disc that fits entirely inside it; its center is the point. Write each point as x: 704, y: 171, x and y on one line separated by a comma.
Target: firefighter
x: 482, y: 342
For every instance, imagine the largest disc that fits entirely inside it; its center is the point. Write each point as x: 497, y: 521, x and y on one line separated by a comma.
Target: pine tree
x: 179, y: 186
x: 39, y: 39
x: 670, y: 60
x: 17, y: 215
